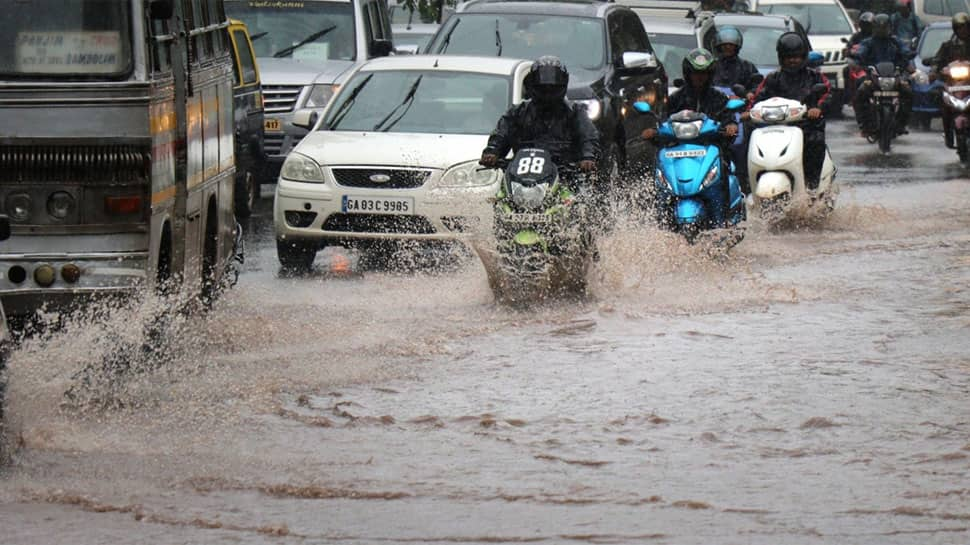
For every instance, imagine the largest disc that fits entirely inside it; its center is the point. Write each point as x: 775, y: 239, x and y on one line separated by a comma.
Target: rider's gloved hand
x: 488, y: 160
x: 587, y: 165
x: 814, y: 113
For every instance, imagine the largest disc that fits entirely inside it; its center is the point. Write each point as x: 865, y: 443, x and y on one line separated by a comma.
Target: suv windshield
x: 759, y: 44
x: 420, y: 102
x: 65, y: 38
x: 932, y: 40
x: 307, y: 31
x: 580, y: 42
x: 816, y: 18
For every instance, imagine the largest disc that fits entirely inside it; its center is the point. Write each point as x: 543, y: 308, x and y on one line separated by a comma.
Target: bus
x: 116, y: 151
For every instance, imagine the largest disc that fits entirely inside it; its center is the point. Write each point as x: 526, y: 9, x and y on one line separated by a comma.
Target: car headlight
x: 301, y: 168
x: 711, y: 178
x: 887, y: 84
x: 320, y: 95
x: 529, y: 197
x: 921, y: 78
x: 593, y: 108
x: 469, y: 174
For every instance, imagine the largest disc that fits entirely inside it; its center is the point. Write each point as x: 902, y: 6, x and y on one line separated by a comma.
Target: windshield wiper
x: 447, y: 40
x: 408, y: 100
x: 498, y: 40
x: 341, y: 112
x: 311, y: 38
x: 258, y: 35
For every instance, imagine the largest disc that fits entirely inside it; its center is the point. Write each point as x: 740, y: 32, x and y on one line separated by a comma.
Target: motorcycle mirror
x: 845, y: 40
x: 815, y: 59
x: 642, y: 107
x: 735, y: 104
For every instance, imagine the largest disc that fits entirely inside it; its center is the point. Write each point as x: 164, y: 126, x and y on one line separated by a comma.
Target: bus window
x: 245, y: 58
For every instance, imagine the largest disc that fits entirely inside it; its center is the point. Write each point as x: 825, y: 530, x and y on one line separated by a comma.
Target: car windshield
x: 65, y: 38
x: 932, y: 41
x: 412, y: 39
x: 759, y: 44
x: 816, y: 18
x: 415, y: 101
x: 672, y: 48
x: 580, y: 42
x: 279, y: 28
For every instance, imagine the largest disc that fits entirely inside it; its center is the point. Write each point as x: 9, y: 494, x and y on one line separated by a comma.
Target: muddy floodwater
x: 812, y: 386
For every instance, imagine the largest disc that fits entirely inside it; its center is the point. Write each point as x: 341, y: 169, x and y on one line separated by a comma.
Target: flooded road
x: 811, y: 387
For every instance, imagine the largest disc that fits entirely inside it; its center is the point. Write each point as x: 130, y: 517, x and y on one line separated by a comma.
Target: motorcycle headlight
x: 687, y: 131
x: 921, y: 78
x: 593, y: 108
x: 887, y: 84
x: 301, y: 168
x: 960, y: 72
x: 320, y: 95
x: 711, y: 178
x: 470, y: 174
x: 529, y: 197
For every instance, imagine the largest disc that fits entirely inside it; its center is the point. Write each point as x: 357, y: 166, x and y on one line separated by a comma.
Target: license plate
x: 887, y: 93
x: 686, y: 153
x: 377, y: 205
x: 272, y: 125
x: 528, y: 218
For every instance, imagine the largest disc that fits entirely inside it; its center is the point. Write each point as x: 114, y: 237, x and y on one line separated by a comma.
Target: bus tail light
x: 71, y: 273
x: 122, y: 206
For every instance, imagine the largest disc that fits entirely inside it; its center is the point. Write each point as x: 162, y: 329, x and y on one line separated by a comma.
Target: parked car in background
x: 925, y: 107
x: 305, y: 50
x: 930, y: 11
x: 395, y: 156
x: 610, y: 60
x: 827, y: 23
x: 247, y: 97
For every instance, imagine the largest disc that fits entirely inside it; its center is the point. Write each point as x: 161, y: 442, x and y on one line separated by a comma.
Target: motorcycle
x: 775, y: 167
x: 543, y: 244
x: 697, y: 189
x: 885, y: 102
x: 956, y: 99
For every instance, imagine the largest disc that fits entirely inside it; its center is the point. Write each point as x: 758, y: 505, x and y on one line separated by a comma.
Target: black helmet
x: 791, y: 44
x: 728, y: 35
x: 698, y: 60
x: 881, y: 26
x: 547, y: 80
x: 960, y: 20
x: 865, y: 22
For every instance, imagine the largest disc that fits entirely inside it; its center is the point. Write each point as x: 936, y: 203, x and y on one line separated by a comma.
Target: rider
x: 794, y: 80
x: 883, y: 47
x: 547, y: 121
x: 957, y: 48
x: 731, y: 69
x: 865, y: 29
x: 907, y: 26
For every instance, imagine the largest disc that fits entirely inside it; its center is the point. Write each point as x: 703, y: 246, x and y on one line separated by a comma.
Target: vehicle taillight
x: 122, y: 206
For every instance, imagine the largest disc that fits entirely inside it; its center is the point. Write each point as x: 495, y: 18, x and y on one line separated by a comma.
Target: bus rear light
x: 122, y: 206
x: 17, y: 274
x: 18, y: 206
x: 71, y: 273
x: 60, y: 204
x: 45, y: 275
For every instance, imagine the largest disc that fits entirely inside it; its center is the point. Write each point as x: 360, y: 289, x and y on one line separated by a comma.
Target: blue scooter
x: 691, y: 175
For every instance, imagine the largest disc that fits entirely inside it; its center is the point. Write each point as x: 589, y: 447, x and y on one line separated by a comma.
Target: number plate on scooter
x: 956, y: 88
x: 527, y: 218
x: 886, y: 93
x: 685, y: 153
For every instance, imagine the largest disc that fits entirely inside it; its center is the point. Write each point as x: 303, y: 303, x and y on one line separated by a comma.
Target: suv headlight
x: 593, y: 107
x: 320, y: 95
x: 301, y: 168
x: 469, y: 174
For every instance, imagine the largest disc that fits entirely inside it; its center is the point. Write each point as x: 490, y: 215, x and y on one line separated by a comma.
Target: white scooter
x: 775, y: 170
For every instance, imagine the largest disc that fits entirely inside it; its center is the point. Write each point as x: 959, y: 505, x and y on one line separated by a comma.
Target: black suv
x: 603, y: 45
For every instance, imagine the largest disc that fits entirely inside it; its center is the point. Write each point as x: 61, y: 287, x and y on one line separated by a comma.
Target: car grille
x: 395, y: 178
x: 274, y: 143
x: 280, y: 98
x: 376, y: 223
x: 833, y: 57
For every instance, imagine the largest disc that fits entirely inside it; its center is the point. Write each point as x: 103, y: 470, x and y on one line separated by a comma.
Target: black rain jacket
x: 710, y: 102
x: 951, y: 50
x: 794, y: 86
x: 732, y: 70
x: 566, y: 132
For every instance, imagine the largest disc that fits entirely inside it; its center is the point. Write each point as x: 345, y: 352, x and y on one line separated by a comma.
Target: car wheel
x: 296, y: 256
x: 247, y: 192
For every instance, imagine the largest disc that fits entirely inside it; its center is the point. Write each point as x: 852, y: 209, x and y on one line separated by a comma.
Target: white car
x: 395, y: 155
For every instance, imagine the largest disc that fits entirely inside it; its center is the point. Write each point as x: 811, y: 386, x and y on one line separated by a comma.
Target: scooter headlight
x: 887, y: 84
x: 776, y: 114
x: 529, y: 197
x: 711, y: 178
x: 687, y: 130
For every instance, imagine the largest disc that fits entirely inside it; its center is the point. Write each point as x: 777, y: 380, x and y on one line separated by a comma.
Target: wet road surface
x: 813, y: 386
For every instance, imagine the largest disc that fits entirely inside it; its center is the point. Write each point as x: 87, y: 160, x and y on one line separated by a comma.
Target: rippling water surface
x: 812, y: 386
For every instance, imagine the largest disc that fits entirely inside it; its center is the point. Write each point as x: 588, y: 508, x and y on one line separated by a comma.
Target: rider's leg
x: 813, y: 155
x: 863, y: 107
x: 905, y: 107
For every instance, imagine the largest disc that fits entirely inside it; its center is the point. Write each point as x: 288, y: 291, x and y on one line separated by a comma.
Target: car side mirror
x: 815, y: 59
x: 409, y: 49
x: 381, y: 48
x: 161, y: 9
x: 4, y: 228
x: 633, y: 60
x: 305, y: 119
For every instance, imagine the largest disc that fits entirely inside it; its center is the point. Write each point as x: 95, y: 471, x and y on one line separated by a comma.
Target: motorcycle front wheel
x: 887, y: 129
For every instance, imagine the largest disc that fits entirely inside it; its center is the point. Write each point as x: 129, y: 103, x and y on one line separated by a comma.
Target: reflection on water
x: 810, y: 386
